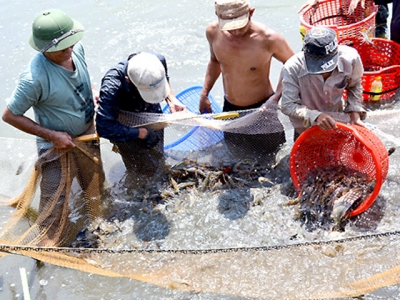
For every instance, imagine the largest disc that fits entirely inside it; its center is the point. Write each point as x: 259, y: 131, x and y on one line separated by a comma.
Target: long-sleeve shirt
x: 116, y: 94
x: 305, y: 96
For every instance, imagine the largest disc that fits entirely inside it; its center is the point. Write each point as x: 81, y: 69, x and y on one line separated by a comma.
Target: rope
x: 14, y: 249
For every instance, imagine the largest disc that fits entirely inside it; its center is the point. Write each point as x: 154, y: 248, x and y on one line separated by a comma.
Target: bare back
x: 245, y: 60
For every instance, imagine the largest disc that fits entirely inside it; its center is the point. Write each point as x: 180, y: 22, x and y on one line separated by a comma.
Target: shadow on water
x: 234, y: 204
x: 150, y: 225
x: 268, y: 169
x: 138, y: 205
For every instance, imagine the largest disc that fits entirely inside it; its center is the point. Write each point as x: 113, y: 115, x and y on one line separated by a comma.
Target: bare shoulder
x: 212, y: 29
x: 268, y: 33
x: 274, y: 42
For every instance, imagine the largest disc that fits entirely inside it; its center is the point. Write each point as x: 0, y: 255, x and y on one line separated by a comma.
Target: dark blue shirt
x: 117, y: 94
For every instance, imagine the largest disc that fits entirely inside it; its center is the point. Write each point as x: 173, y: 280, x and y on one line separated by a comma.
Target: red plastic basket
x: 352, y: 146
x: 380, y: 58
x: 334, y: 14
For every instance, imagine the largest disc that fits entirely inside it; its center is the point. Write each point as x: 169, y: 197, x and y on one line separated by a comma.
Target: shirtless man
x: 242, y: 50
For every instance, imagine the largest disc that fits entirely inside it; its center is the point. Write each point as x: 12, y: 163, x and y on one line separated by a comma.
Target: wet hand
x: 325, y: 122
x: 176, y: 106
x: 205, y: 105
x: 61, y: 140
x: 355, y: 119
x: 151, y: 139
x: 271, y: 104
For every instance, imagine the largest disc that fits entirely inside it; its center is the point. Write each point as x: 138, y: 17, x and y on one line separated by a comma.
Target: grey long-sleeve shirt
x: 305, y: 96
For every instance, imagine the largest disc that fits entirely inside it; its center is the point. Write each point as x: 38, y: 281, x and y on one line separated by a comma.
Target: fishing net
x: 214, y: 215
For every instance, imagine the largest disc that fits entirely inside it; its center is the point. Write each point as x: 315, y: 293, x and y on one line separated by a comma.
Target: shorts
x: 254, y: 145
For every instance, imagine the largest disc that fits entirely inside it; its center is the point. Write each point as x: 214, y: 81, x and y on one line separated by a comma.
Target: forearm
x: 174, y: 104
x: 113, y: 130
x: 354, y: 99
x: 353, y: 103
x: 293, y: 110
x: 278, y: 90
x: 59, y: 139
x: 291, y: 103
x: 212, y: 74
x: 29, y: 126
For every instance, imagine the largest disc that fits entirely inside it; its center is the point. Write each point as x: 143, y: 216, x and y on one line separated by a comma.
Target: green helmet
x: 53, y: 30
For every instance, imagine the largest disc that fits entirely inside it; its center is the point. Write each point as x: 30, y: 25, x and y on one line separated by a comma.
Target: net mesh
x: 217, y: 217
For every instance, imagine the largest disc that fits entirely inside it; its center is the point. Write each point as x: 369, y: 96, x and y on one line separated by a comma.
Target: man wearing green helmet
x: 56, y: 85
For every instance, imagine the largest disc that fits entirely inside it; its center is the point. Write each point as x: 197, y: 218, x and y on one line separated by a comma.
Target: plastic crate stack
x: 381, y: 61
x: 380, y: 57
x: 334, y: 14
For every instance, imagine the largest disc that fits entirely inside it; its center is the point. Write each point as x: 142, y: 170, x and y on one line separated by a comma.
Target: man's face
x: 60, y: 56
x: 240, y: 31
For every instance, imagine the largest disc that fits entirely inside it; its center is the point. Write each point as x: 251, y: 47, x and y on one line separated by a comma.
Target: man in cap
x: 314, y: 81
x: 242, y: 50
x: 56, y: 85
x: 138, y: 84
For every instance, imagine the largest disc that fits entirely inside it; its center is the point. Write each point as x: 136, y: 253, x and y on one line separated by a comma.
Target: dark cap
x: 320, y: 50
